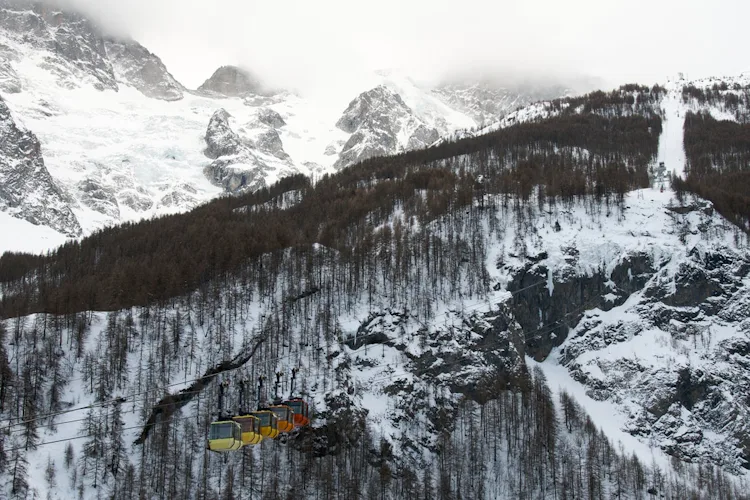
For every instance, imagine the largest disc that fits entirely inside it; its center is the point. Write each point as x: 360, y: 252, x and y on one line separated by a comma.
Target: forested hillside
x: 718, y: 148
x: 600, y: 151
x: 407, y: 290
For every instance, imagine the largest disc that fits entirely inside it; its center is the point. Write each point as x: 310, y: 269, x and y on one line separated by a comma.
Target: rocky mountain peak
x: 231, y: 81
x: 74, y: 46
x: 243, y: 162
x: 380, y: 100
x: 381, y: 123
x: 136, y: 66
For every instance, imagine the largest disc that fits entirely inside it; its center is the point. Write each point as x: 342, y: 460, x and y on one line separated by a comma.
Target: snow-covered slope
x: 119, y: 154
x: 22, y: 236
x: 405, y: 365
x: 676, y: 104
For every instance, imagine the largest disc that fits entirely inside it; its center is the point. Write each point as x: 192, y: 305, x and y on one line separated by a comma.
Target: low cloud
x: 320, y: 45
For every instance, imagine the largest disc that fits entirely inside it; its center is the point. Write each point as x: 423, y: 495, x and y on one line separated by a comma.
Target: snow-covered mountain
x: 231, y: 81
x: 64, y: 43
x: 134, y: 65
x: 123, y: 140
x: 486, y: 103
x: 380, y: 123
x: 414, y: 309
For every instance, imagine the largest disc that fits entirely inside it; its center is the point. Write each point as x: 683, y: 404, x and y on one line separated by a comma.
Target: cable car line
x: 147, y: 425
x: 163, y: 388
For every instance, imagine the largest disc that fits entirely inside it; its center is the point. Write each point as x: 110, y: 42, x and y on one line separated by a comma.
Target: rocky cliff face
x: 27, y: 190
x: 243, y: 162
x: 134, y: 65
x: 381, y: 124
x: 231, y: 81
x: 74, y: 49
x: 656, y: 326
x: 69, y: 45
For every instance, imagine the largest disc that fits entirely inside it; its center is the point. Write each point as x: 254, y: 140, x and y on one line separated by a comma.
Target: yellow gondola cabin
x: 285, y: 417
x: 251, y: 429
x: 225, y: 435
x: 269, y: 426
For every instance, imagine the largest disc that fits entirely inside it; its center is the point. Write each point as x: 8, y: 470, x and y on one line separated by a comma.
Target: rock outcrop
x: 134, y: 65
x: 243, y: 163
x: 271, y: 118
x: 381, y: 124
x: 231, y: 81
x: 73, y: 47
x: 658, y: 330
x: 27, y: 190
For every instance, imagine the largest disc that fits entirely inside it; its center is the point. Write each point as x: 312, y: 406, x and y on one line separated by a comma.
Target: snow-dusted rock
x: 134, y: 65
x: 244, y: 163
x: 220, y: 138
x: 271, y: 118
x: 268, y: 140
x: 27, y: 190
x: 135, y: 199
x: 661, y: 334
x: 10, y: 83
x: 487, y: 103
x: 177, y: 198
x: 100, y: 198
x: 231, y: 81
x: 381, y: 124
x: 71, y: 46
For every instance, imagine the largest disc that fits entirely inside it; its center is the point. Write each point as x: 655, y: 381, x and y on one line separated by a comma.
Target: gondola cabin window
x: 265, y: 419
x: 223, y: 431
x: 296, y: 406
x: 281, y: 413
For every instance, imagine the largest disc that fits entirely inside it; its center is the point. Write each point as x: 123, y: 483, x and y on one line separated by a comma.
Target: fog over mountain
x: 310, y: 44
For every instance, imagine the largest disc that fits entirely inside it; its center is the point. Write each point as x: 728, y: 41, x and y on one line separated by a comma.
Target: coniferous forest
x: 718, y: 165
x: 118, y: 342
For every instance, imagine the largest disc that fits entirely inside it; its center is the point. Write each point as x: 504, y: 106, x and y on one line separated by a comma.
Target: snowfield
x: 121, y: 156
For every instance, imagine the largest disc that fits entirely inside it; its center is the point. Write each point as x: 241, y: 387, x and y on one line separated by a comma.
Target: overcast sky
x: 316, y: 42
